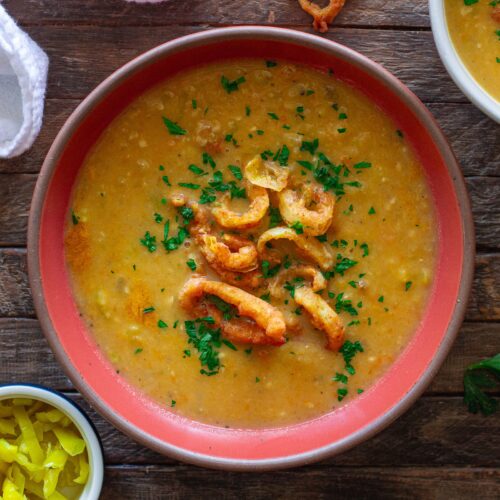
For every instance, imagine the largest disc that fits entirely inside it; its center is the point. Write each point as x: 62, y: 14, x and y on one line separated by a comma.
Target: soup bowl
x: 455, y: 66
x: 266, y: 448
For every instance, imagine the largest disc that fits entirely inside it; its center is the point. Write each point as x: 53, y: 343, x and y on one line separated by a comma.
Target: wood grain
x: 375, y: 13
x: 29, y: 357
x: 318, y: 483
x: 15, y: 297
x: 82, y: 56
x: 463, y: 124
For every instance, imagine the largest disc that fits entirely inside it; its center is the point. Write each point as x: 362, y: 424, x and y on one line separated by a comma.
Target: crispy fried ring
x: 259, y: 203
x: 322, y: 316
x: 199, y: 229
x: 245, y: 259
x: 309, y: 247
x: 323, y: 16
x: 266, y: 174
x: 267, y: 317
x: 292, y: 205
x: 318, y: 281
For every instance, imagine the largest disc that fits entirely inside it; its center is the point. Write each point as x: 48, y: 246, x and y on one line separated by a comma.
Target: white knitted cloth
x: 23, y: 78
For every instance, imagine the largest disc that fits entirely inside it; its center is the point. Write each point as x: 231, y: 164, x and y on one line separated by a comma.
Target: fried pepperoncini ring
x: 265, y: 316
x: 259, y: 203
x: 266, y: 174
x: 318, y: 281
x: 322, y: 16
x: 310, y: 247
x: 322, y: 316
x: 315, y: 220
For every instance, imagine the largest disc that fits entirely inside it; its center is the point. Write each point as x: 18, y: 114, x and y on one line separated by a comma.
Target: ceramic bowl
x: 454, y: 65
x: 82, y: 422
x: 249, y: 449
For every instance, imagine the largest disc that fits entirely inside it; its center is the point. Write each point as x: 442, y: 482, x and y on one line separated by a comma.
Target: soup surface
x: 130, y: 255
x: 475, y: 31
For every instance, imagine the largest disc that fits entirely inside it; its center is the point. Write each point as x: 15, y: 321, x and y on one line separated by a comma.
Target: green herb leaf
x: 74, y: 218
x: 479, y: 376
x: 232, y: 86
x: 191, y: 264
x: 149, y: 242
x: 172, y: 127
x: 236, y: 171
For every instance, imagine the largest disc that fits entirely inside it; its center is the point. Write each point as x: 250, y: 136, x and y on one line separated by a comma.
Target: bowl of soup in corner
x: 467, y: 36
x: 250, y: 248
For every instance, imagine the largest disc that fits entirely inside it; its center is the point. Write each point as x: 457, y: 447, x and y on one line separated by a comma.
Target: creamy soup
x: 140, y: 253
x: 474, y: 27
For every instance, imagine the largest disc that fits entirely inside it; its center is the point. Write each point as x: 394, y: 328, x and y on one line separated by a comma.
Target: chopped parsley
x: 162, y: 324
x: 310, y: 146
x: 271, y: 64
x: 340, y: 377
x: 148, y: 310
x: 343, y: 264
x: 371, y: 211
x: 341, y: 130
x: 194, y: 104
x: 189, y: 185
x: 349, y: 350
x: 274, y: 116
x: 172, y: 127
x: 166, y: 181
x: 282, y: 155
x: 298, y: 227
x: 231, y: 86
x: 228, y: 310
x: 206, y: 341
x: 366, y: 250
x: 342, y: 304
x: 74, y: 218
x: 197, y: 170
x: 400, y: 133
x: 268, y: 271
x: 138, y: 350
x: 158, y: 217
x: 341, y: 393
x: 208, y: 160
x: 236, y: 171
x: 274, y: 217
x: 408, y: 285
x: 247, y: 110
x: 191, y: 264
x: 149, y: 242
x: 342, y: 116
x: 363, y: 164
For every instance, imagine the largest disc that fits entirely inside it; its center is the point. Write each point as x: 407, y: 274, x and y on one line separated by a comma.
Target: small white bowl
x: 454, y: 65
x: 82, y: 422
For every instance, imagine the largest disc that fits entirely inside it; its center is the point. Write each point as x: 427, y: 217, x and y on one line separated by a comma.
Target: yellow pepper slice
x: 28, y: 432
x: 70, y: 442
x: 8, y: 452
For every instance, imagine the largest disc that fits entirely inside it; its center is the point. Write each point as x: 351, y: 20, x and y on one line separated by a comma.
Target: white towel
x: 23, y: 78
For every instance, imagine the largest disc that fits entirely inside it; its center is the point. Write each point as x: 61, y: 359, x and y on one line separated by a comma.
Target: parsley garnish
x: 271, y: 64
x: 208, y: 160
x: 408, y: 285
x: 371, y: 211
x: 274, y: 116
x: 189, y: 185
x: 197, y: 170
x: 194, y: 104
x: 343, y: 264
x: 366, y: 250
x: 173, y: 128
x: 138, y: 350
x: 342, y: 304
x: 236, y: 171
x: 479, y: 376
x: 231, y: 86
x: 162, y: 324
x: 349, y: 350
x: 298, y: 227
x: 206, y: 341
x: 166, y: 181
x: 149, y: 242
x: 148, y: 310
x: 363, y: 164
x: 274, y: 217
x: 191, y: 264
x: 310, y: 146
x: 74, y: 218
x: 268, y: 271
x: 282, y: 155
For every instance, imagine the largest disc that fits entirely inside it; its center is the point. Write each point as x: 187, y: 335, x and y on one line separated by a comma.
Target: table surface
x: 436, y: 449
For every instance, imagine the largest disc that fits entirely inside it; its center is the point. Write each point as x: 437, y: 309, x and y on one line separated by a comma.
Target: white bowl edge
x: 93, y: 487
x: 454, y: 65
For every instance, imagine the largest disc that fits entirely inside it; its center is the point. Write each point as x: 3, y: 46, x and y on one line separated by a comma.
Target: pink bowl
x: 239, y: 449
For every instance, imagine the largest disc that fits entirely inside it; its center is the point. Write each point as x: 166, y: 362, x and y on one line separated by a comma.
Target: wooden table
x: 437, y: 449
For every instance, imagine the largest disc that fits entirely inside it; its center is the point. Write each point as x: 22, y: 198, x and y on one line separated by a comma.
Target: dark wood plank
x: 15, y: 298
x: 82, y: 56
x: 16, y: 191
x: 378, y: 13
x: 29, y: 358
x: 462, y: 123
x: 15, y: 295
x: 314, y: 482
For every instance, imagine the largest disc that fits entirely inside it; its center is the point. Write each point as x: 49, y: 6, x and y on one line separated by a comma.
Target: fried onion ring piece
x: 308, y: 246
x: 292, y: 205
x: 322, y: 316
x: 259, y: 203
x: 266, y: 316
x: 318, y: 281
x: 322, y: 16
x: 266, y: 174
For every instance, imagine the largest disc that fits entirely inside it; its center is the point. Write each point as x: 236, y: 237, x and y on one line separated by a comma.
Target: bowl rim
x: 456, y: 67
x: 81, y: 420
x: 270, y: 34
